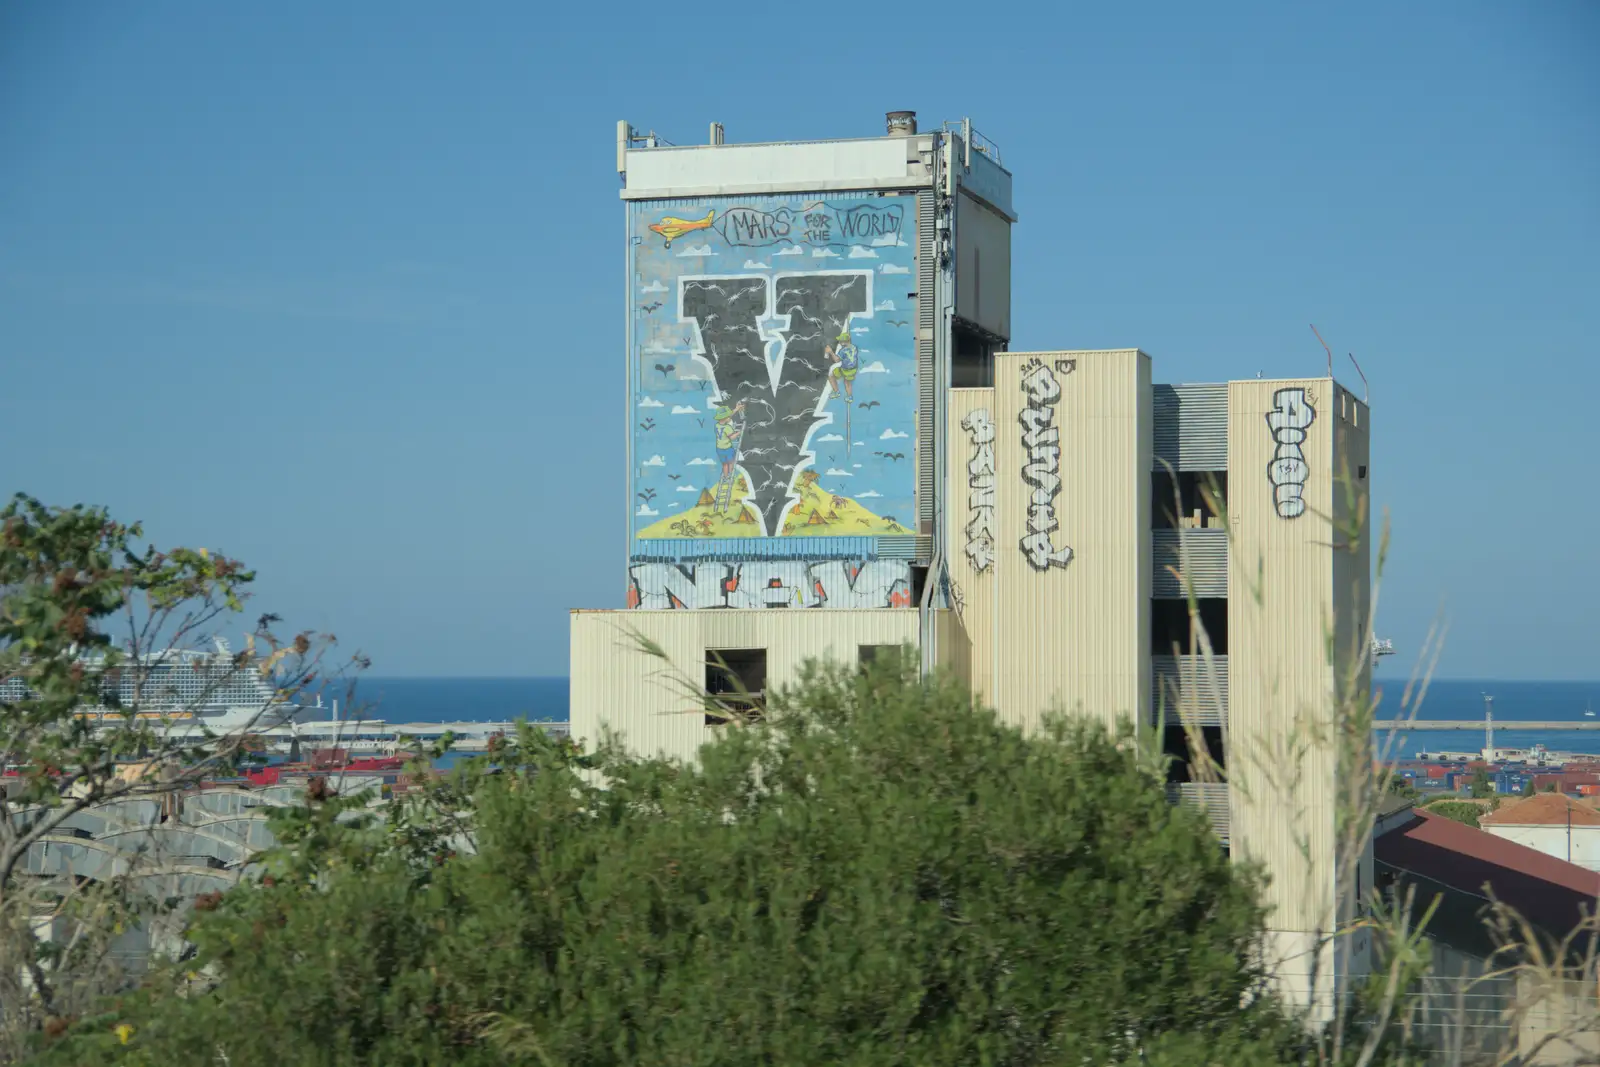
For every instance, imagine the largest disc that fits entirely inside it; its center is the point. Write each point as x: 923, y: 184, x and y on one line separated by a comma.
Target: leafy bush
x: 878, y: 874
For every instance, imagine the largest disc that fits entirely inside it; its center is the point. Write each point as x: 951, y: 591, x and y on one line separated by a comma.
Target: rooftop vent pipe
x: 901, y: 123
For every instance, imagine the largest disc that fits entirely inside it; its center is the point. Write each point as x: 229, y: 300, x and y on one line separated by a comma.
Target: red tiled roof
x: 1543, y: 889
x: 1544, y: 809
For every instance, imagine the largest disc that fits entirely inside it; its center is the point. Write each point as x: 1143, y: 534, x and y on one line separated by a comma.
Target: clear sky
x: 336, y: 288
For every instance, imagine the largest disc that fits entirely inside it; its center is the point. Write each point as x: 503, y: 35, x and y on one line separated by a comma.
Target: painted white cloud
x: 884, y: 305
x: 854, y: 443
x: 751, y: 264
x: 651, y: 402
x: 824, y: 253
x: 858, y: 252
x: 790, y: 251
x: 696, y: 252
x: 687, y: 489
x: 701, y: 463
x: 890, y: 268
x: 829, y: 437
x: 869, y: 492
x: 835, y: 472
x: 656, y: 348
x: 676, y: 504
x: 861, y: 329
x: 646, y: 510
x: 857, y: 466
x: 684, y: 409
x: 655, y: 461
x: 890, y: 435
x: 654, y: 287
x: 889, y: 240
x: 875, y: 367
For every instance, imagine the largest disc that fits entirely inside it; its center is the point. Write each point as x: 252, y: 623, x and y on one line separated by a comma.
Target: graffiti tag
x: 1287, y: 470
x: 980, y: 483
x: 821, y: 225
x: 783, y: 395
x: 878, y: 583
x: 1041, y: 443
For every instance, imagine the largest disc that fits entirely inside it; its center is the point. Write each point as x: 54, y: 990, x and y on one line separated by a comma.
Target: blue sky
x: 335, y: 288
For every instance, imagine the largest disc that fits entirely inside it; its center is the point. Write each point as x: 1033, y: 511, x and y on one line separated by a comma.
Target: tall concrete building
x: 831, y: 450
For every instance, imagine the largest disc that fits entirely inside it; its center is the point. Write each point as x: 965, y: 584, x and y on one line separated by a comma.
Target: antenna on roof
x: 1366, y: 390
x: 1325, y: 348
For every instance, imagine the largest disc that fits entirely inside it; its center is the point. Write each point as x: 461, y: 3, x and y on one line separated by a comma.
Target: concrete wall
x: 642, y: 697
x: 1298, y: 577
x: 1579, y: 844
x: 1071, y: 580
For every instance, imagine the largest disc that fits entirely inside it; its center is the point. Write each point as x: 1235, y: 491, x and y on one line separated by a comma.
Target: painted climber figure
x: 848, y: 358
x: 729, y: 431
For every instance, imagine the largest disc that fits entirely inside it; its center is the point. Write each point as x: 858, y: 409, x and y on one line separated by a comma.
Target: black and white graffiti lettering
x: 771, y: 584
x: 1287, y: 471
x: 980, y: 483
x: 784, y: 384
x: 1041, y: 444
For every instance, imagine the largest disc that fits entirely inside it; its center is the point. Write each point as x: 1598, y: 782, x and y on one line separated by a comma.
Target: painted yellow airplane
x: 673, y: 228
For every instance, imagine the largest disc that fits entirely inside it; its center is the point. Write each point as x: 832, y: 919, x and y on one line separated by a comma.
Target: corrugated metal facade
x: 1190, y: 425
x: 972, y: 590
x: 1189, y: 689
x: 927, y: 324
x: 1201, y: 561
x: 1209, y: 798
x: 687, y: 550
x: 615, y: 683
x: 1280, y: 760
x: 1075, y: 637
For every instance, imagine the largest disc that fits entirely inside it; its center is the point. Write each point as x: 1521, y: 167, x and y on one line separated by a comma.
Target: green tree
x: 876, y: 874
x: 1459, y: 810
x: 90, y: 616
x: 1482, y: 786
x: 1399, y: 785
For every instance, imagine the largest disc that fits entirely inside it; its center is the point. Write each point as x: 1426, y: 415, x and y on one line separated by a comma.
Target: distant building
x: 1470, y: 1005
x: 1552, y: 823
x: 831, y: 451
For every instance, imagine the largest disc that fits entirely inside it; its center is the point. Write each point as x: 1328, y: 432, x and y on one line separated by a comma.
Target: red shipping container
x: 1588, y: 790
x: 1437, y: 772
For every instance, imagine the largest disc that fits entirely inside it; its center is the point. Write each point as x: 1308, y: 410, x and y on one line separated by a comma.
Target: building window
x: 972, y: 358
x: 1179, y: 745
x: 1170, y: 626
x: 867, y: 655
x: 737, y: 678
x: 1199, y: 496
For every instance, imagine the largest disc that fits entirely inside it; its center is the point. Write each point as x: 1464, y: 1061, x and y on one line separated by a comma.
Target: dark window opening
x: 919, y: 581
x: 1182, y: 745
x: 1170, y: 625
x: 971, y: 359
x: 1361, y: 473
x: 737, y: 678
x: 867, y: 655
x: 1200, y: 500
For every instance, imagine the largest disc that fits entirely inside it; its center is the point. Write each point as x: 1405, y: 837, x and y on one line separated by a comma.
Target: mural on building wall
x: 1292, y: 412
x: 980, y: 486
x: 881, y: 583
x: 774, y: 383
x: 1041, y: 444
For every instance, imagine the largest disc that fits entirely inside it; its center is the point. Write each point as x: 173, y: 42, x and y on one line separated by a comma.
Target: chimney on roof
x: 901, y: 123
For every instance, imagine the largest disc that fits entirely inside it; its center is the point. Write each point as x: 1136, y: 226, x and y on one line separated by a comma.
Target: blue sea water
x: 499, y: 699
x: 1513, y: 701
x: 462, y: 699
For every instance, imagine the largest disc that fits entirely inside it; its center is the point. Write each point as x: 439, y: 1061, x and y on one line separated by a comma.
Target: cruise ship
x: 192, y: 690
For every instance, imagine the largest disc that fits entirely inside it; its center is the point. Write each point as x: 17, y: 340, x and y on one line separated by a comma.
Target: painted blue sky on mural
x: 773, y: 367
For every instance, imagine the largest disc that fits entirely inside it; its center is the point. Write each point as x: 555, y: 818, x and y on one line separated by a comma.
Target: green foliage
x: 1482, y: 786
x: 1400, y: 786
x: 1459, y: 810
x: 876, y: 874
